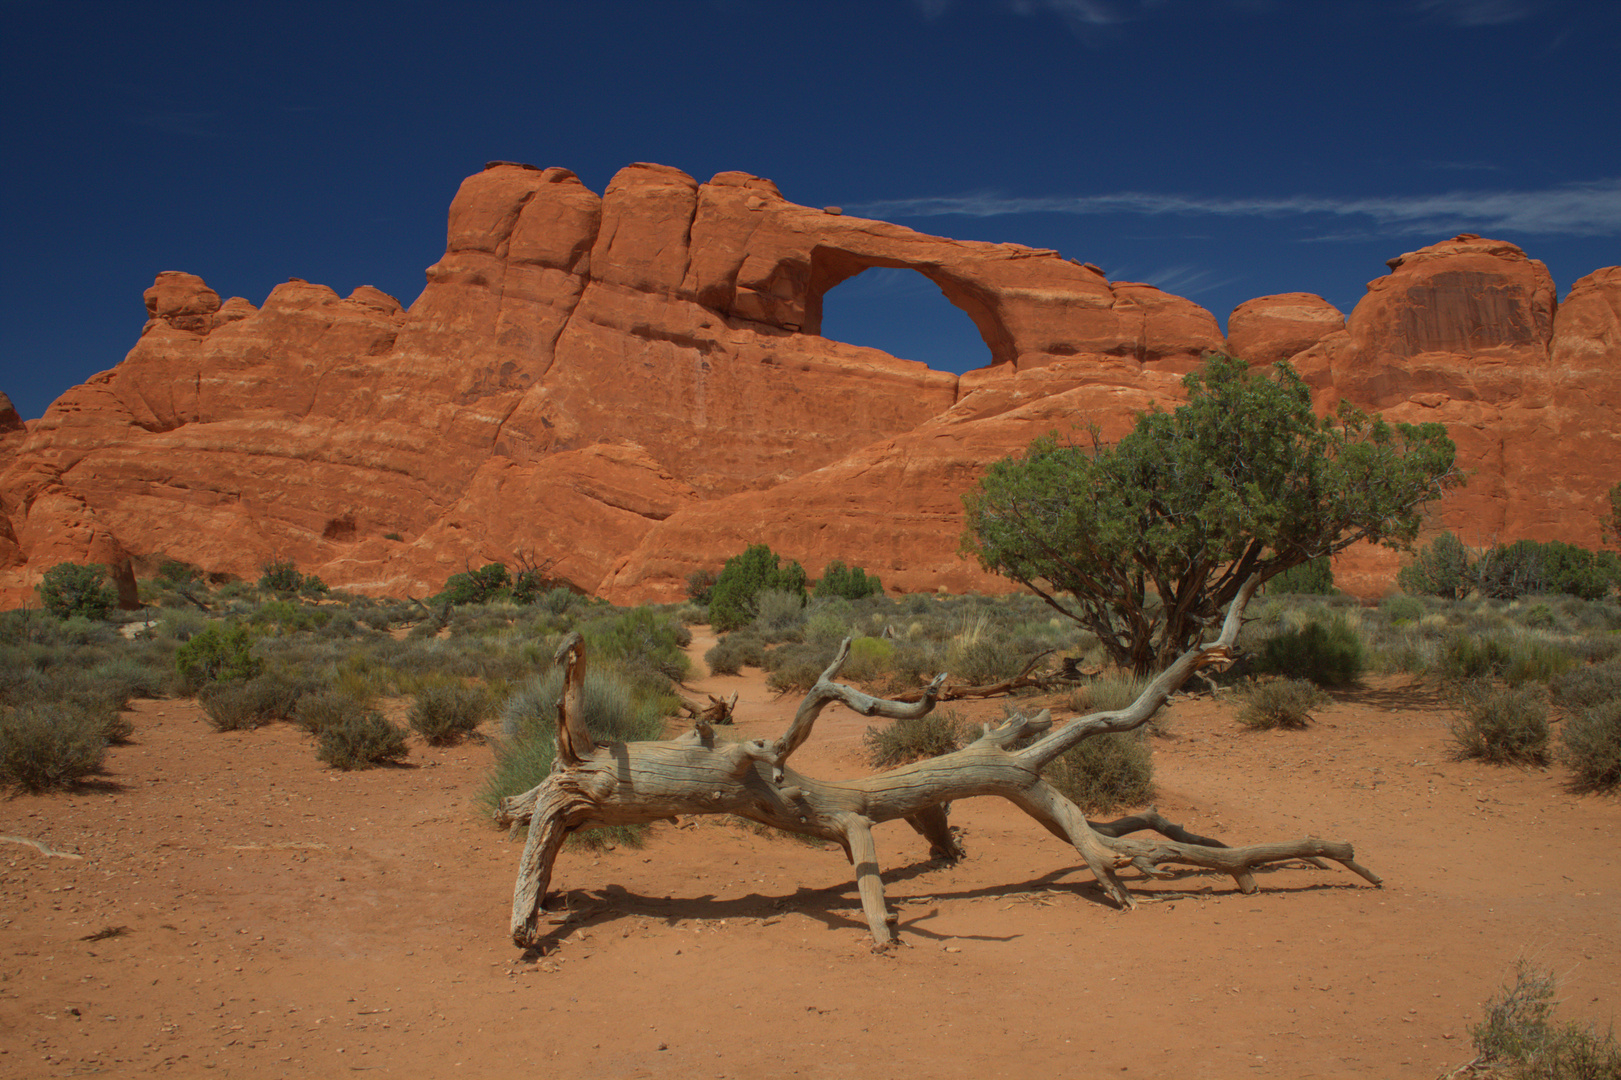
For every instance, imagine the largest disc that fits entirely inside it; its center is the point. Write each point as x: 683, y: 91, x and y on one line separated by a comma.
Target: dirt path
x: 279, y: 919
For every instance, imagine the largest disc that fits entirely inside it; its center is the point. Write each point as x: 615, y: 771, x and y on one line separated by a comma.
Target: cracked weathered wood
x: 635, y: 783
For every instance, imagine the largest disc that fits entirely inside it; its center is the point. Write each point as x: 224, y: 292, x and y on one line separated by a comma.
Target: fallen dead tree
x: 595, y: 784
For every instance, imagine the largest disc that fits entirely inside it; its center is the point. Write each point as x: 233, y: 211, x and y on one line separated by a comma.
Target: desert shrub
x: 915, y: 738
x: 1440, y: 569
x: 745, y: 576
x: 286, y: 616
x: 1331, y: 655
x: 700, y: 583
x: 321, y: 709
x: 237, y: 705
x: 850, y: 582
x: 617, y: 707
x: 44, y: 746
x: 217, y: 654
x: 1500, y: 725
x: 982, y: 659
x: 1274, y: 703
x: 734, y: 652
x: 1518, y: 1039
x: 1516, y: 658
x: 1538, y: 617
x: 489, y: 582
x: 1509, y: 571
x: 359, y: 742
x: 1105, y: 772
x: 1315, y: 577
x: 641, y: 638
x: 1592, y: 746
x: 779, y: 615
x: 127, y: 677
x: 280, y: 576
x: 797, y: 665
x: 869, y: 660
x: 1107, y: 693
x: 446, y: 713
x: 181, y: 624
x: 829, y: 622
x: 1588, y: 685
x: 1402, y: 609
x: 69, y: 589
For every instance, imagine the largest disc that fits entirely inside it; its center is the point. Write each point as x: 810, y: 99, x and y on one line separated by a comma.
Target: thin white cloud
x: 1476, y: 12
x: 1588, y: 208
x: 1075, y: 12
x: 932, y: 9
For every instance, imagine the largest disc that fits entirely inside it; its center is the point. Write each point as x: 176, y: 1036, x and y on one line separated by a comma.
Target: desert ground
x: 223, y: 904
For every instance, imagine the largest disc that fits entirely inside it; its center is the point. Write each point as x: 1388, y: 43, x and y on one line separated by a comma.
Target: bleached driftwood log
x: 634, y: 783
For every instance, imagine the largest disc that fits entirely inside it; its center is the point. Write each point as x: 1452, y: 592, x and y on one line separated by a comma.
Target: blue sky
x: 1222, y: 149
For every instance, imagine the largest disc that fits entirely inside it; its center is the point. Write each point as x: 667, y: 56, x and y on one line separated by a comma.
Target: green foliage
x: 1518, y: 1039
x: 1275, y: 703
x: 359, y: 742
x: 1500, y: 725
x: 447, y: 712
x: 69, y: 590
x: 1331, y: 655
x: 242, y: 705
x: 481, y: 586
x: 744, y: 577
x: 779, y: 615
x: 1314, y: 577
x: 1588, y: 685
x: 1144, y: 543
x: 1105, y: 772
x: 217, y: 654
x: 796, y: 666
x: 288, y: 616
x: 617, y: 707
x: 1402, y: 609
x: 280, y: 576
x: 1510, y: 571
x: 1592, y: 746
x: 1441, y: 568
x: 324, y: 708
x: 852, y: 583
x: 640, y: 638
x: 735, y: 651
x: 1516, y: 658
x: 915, y: 738
x: 44, y: 746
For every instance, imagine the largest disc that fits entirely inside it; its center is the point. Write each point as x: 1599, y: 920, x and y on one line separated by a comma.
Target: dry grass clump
x: 915, y: 738
x: 447, y: 712
x: 1501, y: 725
x: 1280, y: 703
x: 1592, y: 747
x: 1518, y: 1038
x: 359, y: 742
x: 43, y: 747
x: 1105, y: 772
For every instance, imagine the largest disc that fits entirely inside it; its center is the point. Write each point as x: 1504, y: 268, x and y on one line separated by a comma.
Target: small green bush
x: 317, y: 711
x: 745, y: 576
x: 361, y: 742
x: 1518, y: 1039
x: 1501, y: 725
x: 1592, y: 746
x: 244, y: 704
x: 1331, y: 655
x: 280, y: 576
x: 1586, y: 686
x: 1105, y: 772
x: 1441, y: 569
x: 217, y: 654
x: 1314, y: 577
x: 1402, y: 609
x: 915, y: 738
x: 870, y: 659
x: 43, y: 746
x: 1275, y: 703
x: 796, y: 666
x: 852, y: 583
x: 69, y: 589
x: 448, y: 712
x: 700, y: 583
x: 733, y: 652
x: 779, y: 615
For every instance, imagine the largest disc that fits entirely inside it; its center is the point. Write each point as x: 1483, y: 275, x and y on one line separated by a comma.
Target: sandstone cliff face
x: 633, y: 386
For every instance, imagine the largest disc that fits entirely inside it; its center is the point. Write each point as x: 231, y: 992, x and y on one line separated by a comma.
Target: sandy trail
x: 274, y: 918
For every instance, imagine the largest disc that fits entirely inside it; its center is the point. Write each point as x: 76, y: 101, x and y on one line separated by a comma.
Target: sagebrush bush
x: 241, y: 705
x: 1592, y: 746
x: 1105, y: 772
x: 217, y: 654
x: 915, y: 738
x: 797, y: 665
x: 44, y: 746
x: 448, y: 712
x: 1275, y: 703
x: 1518, y: 1039
x: 359, y: 742
x: 732, y: 653
x: 1331, y: 655
x: 1588, y: 685
x: 1500, y: 725
x: 321, y: 709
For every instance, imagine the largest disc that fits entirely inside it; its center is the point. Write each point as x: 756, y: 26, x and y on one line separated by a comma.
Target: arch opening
x: 903, y: 312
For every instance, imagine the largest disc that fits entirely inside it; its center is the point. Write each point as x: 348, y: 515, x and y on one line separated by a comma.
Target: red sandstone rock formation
x: 634, y: 386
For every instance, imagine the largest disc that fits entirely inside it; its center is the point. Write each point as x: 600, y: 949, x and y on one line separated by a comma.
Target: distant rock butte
x: 634, y: 386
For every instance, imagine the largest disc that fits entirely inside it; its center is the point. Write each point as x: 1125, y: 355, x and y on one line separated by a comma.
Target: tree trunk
x: 635, y: 783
